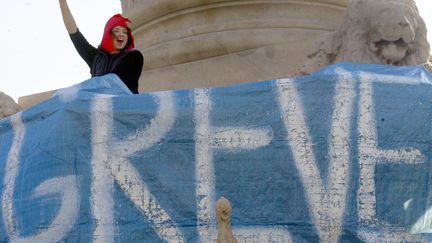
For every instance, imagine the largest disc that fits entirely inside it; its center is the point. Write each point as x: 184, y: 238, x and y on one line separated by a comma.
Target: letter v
x: 327, y: 202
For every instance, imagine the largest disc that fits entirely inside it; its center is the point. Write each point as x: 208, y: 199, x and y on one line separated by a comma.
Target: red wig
x: 107, y: 41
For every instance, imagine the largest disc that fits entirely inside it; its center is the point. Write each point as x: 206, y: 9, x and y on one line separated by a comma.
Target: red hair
x: 107, y: 41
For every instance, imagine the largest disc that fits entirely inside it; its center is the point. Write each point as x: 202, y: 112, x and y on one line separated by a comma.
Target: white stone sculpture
x: 7, y: 105
x: 223, y: 214
x: 374, y: 31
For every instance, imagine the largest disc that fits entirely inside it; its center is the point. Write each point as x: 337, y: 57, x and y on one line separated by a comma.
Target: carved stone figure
x: 7, y: 105
x: 223, y: 214
x: 375, y: 31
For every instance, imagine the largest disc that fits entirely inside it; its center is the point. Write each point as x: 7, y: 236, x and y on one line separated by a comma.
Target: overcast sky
x: 38, y: 55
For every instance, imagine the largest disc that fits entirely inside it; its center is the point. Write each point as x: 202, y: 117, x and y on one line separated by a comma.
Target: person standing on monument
x: 115, y: 54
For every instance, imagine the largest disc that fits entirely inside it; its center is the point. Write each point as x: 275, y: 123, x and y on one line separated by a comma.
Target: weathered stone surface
x: 7, y: 105
x: 29, y: 100
x: 374, y: 31
x: 205, y: 43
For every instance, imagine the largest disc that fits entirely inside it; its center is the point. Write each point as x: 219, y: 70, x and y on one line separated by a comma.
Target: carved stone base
x: 204, y: 43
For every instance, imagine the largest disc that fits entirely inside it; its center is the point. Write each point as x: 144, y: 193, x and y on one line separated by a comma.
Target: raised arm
x: 68, y: 19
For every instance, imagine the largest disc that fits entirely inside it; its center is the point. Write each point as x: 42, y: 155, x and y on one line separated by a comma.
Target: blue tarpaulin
x: 342, y: 155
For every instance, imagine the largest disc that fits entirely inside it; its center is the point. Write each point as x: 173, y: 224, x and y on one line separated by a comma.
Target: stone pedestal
x: 207, y: 43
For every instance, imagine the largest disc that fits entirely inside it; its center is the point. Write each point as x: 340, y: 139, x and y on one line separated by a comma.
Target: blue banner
x: 342, y: 155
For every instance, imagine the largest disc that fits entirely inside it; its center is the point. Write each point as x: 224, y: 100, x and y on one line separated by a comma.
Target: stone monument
x: 207, y: 43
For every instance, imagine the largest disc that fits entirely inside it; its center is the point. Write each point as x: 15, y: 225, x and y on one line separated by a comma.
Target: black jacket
x: 127, y: 64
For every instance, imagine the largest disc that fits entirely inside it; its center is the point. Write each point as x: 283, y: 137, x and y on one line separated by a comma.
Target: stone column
x: 207, y: 43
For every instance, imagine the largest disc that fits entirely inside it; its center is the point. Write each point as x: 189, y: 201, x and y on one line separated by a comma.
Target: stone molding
x: 192, y: 43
